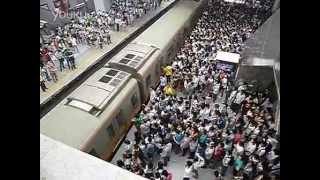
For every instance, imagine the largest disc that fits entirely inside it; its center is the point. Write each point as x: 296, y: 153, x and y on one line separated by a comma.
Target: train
x: 97, y: 114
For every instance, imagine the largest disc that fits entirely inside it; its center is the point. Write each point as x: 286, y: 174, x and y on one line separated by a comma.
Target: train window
x: 94, y: 153
x: 129, y: 56
x: 115, y: 82
x: 94, y: 111
x: 162, y: 61
x: 110, y: 131
x: 133, y: 63
x: 134, y: 99
x: 119, y: 119
x: 158, y: 69
x: 112, y: 72
x: 124, y: 61
x: 148, y: 81
x: 105, y: 79
x: 138, y: 58
x: 121, y: 75
x: 171, y: 51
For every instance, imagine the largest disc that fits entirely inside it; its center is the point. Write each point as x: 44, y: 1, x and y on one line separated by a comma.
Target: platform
x: 89, y: 56
x: 176, y: 164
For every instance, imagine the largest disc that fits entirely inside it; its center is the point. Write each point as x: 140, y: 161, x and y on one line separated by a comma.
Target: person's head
x: 157, y: 175
x: 165, y: 173
x: 189, y: 163
x: 127, y: 142
x: 160, y: 165
x: 120, y: 163
x: 216, y: 173
x: 150, y: 165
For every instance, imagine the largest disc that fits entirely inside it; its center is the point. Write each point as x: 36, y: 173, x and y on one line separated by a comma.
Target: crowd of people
x: 200, y: 112
x: 92, y: 29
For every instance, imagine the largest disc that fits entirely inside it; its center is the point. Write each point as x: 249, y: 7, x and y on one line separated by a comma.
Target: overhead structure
x: 59, y: 161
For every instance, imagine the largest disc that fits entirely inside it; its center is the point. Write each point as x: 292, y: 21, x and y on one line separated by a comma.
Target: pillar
x: 276, y: 5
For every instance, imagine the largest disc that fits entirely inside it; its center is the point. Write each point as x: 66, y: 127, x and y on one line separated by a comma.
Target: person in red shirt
x: 166, y: 175
x: 45, y: 54
x: 237, y: 137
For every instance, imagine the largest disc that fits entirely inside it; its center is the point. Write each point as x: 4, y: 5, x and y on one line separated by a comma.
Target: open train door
x: 228, y: 62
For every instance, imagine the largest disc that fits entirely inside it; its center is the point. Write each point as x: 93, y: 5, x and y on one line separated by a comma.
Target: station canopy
x: 236, y: 1
x: 228, y: 57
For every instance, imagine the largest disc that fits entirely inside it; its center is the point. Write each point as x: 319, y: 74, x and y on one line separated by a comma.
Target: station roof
x: 228, y: 57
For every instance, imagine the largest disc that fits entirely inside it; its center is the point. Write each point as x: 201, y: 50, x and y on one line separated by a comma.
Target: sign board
x: 228, y: 57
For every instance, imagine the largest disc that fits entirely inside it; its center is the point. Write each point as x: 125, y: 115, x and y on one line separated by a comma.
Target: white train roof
x: 59, y: 161
x: 74, y: 120
x: 133, y: 56
x: 228, y: 57
x: 162, y: 32
x: 97, y: 91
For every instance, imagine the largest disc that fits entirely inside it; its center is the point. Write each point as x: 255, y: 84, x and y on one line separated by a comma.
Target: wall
x: 261, y: 73
x: 49, y: 17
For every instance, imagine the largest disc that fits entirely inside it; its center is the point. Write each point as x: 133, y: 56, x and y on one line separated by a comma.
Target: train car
x: 142, y: 62
x: 98, y: 113
x: 145, y: 56
x: 169, y: 31
x: 95, y: 116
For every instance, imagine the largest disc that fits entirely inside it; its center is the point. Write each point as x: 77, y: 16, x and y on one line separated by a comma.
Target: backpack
x: 203, y: 139
x: 150, y: 148
x: 221, y: 123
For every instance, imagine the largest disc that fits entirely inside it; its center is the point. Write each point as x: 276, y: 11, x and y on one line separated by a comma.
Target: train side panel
x: 117, y: 119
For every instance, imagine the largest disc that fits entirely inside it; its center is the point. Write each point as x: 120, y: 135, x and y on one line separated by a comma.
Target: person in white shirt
x: 237, y: 101
x: 74, y: 44
x: 238, y: 150
x: 232, y: 97
x: 198, y: 163
x: 188, y: 170
x: 226, y: 162
x: 250, y: 147
x: 193, y: 147
x: 166, y: 152
x: 185, y: 143
x: 209, y: 153
x: 163, y: 82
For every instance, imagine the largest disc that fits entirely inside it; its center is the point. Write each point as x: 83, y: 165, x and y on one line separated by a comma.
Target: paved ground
x: 88, y: 56
x: 177, y: 162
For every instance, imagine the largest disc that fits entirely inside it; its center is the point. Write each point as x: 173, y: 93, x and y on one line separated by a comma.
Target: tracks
x: 46, y: 106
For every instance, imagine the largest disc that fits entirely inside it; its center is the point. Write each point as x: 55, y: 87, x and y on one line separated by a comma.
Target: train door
x: 148, y: 82
x: 111, y: 131
x: 135, y: 104
x: 158, y: 73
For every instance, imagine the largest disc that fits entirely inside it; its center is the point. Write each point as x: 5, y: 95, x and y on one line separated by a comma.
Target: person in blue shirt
x: 238, y: 165
x: 177, y: 141
x: 203, y: 139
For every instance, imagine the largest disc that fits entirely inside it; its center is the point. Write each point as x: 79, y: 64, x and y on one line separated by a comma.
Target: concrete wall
x: 49, y: 17
x: 265, y: 42
x: 103, y: 5
x: 261, y: 73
